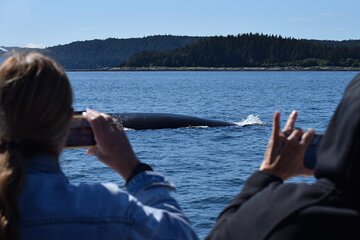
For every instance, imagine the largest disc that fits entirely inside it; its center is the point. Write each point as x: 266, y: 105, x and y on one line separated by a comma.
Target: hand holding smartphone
x: 80, y: 133
x: 310, y: 157
x: 113, y: 147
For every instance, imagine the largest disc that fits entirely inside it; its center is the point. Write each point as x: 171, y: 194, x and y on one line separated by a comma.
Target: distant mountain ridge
x: 243, y: 50
x: 111, y: 52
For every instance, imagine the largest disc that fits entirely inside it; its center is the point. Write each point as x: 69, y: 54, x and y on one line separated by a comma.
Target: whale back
x: 141, y: 121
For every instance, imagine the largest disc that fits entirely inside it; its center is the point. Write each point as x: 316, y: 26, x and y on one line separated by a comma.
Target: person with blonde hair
x: 36, y: 199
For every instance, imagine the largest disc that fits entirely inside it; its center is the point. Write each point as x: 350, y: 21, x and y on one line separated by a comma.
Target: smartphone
x: 310, y: 157
x: 80, y: 133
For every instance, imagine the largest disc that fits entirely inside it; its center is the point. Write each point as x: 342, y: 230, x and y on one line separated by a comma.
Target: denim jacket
x: 51, y: 208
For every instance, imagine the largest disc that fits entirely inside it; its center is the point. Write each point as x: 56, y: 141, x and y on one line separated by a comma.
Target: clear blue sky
x: 52, y: 22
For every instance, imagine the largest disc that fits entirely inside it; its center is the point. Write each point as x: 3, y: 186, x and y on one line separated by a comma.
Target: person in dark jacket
x: 329, y: 208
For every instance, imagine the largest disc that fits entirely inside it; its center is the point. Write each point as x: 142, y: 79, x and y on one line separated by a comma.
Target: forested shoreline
x: 233, y: 52
x: 254, y: 50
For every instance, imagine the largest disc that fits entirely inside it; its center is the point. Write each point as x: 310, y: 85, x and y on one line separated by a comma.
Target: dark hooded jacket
x: 267, y: 208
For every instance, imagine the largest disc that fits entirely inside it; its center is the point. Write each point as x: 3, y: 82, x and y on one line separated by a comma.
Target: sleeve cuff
x: 261, y: 179
x: 146, y: 180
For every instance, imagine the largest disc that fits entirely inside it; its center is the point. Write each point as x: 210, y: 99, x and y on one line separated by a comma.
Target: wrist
x: 272, y: 173
x: 139, y: 168
x: 124, y: 167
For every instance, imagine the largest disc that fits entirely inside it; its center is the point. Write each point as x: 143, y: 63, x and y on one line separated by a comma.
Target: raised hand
x: 284, y: 155
x: 112, y: 145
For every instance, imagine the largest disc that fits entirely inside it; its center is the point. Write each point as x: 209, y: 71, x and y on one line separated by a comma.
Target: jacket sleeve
x: 255, y: 183
x: 156, y: 214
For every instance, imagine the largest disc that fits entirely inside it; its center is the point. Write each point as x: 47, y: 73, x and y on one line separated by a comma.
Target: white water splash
x: 250, y: 120
x: 200, y: 127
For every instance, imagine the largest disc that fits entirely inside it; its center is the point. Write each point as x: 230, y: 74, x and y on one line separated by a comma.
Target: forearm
x: 164, y: 217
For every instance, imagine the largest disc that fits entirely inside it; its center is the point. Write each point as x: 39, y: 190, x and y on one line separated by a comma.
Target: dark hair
x: 35, y: 111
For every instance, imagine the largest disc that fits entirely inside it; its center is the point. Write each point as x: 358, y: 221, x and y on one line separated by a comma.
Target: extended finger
x: 275, y: 128
x: 290, y: 124
x: 276, y: 124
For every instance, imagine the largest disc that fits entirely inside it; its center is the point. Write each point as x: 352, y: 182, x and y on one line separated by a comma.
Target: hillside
x: 253, y: 50
x: 95, y: 54
x: 5, y: 52
x: 233, y: 51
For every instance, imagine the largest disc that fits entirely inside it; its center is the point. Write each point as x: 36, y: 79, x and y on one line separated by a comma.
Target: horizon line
x: 3, y: 47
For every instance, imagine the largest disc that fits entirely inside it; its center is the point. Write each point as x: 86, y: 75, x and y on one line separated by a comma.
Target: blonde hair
x: 35, y: 111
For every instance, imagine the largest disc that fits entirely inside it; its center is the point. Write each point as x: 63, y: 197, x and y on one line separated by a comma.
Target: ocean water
x: 208, y: 165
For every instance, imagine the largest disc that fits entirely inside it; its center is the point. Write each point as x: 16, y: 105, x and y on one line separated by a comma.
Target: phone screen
x: 80, y: 134
x: 310, y: 157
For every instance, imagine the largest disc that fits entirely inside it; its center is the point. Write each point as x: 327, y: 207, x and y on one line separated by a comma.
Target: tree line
x: 253, y: 50
x: 97, y: 54
x: 243, y: 50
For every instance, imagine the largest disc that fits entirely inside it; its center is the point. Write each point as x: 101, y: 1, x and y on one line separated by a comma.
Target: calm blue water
x: 208, y: 165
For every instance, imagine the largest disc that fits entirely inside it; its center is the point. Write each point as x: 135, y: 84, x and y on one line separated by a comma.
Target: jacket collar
x: 42, y: 163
